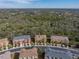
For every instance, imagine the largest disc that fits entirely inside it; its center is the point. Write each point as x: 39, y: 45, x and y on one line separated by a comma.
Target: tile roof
x: 28, y: 52
x: 63, y: 39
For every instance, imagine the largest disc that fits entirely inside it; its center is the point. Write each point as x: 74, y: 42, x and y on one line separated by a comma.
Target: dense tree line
x: 14, y: 23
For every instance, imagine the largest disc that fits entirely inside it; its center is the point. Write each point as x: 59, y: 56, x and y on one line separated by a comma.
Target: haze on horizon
x: 39, y: 3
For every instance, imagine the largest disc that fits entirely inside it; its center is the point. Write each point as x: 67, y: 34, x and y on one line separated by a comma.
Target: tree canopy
x: 13, y: 23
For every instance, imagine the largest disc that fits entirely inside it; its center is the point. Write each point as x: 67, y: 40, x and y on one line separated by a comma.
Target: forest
x: 14, y: 22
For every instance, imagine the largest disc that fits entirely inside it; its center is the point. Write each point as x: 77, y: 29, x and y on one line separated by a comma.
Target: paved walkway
x: 43, y: 46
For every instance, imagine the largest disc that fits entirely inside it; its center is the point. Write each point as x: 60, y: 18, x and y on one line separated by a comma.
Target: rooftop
x: 22, y: 37
x: 40, y: 37
x: 6, y: 55
x: 63, y: 39
x: 28, y: 52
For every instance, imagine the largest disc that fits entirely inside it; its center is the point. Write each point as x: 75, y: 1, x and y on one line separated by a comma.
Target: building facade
x: 60, y: 41
x: 4, y: 43
x: 57, y: 54
x: 20, y: 41
x: 40, y: 39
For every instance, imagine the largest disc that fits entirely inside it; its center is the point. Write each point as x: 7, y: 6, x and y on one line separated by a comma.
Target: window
x: 31, y: 57
x: 20, y: 57
x: 52, y: 58
x: 35, y: 57
x: 47, y: 57
x: 60, y: 58
x: 56, y: 58
x: 24, y: 58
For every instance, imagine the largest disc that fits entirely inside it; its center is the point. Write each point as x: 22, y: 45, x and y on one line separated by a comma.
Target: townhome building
x: 28, y: 53
x: 24, y: 40
x: 4, y: 43
x: 40, y: 39
x: 57, y: 53
x: 60, y: 41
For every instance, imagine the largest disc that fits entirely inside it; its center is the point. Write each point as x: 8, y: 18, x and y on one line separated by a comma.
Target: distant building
x: 59, y: 40
x: 57, y: 53
x: 4, y: 43
x: 6, y: 55
x: 28, y: 54
x: 20, y: 41
x: 40, y: 39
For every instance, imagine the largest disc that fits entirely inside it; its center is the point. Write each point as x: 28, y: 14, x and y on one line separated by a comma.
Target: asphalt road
x: 47, y: 46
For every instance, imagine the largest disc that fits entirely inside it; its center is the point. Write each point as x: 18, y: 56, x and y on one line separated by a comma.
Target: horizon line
x: 39, y: 8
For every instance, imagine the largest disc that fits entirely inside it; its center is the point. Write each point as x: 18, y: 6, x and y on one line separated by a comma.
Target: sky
x: 39, y: 3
